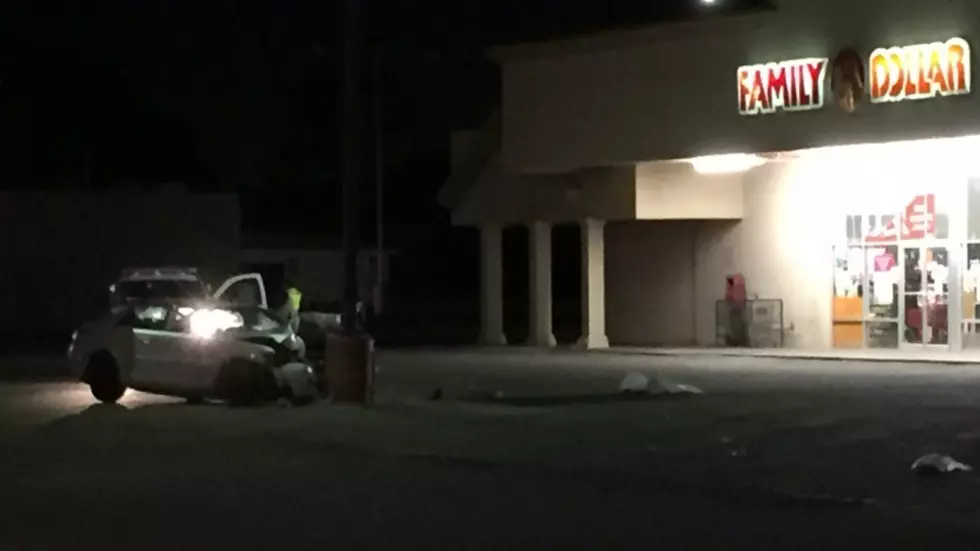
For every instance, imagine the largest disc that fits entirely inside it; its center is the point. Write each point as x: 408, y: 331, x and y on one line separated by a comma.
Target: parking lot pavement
x: 773, y: 454
x: 767, y: 471
x: 534, y: 372
x: 38, y: 366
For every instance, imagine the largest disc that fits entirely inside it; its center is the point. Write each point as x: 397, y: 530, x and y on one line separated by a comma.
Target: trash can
x: 735, y: 300
x: 349, y: 368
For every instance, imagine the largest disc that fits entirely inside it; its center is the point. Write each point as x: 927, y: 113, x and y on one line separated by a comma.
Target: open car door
x: 246, y: 289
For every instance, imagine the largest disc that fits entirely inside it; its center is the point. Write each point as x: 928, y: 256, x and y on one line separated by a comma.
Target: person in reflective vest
x: 290, y: 310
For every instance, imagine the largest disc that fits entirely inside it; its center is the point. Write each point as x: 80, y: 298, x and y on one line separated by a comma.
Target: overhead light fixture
x: 726, y: 164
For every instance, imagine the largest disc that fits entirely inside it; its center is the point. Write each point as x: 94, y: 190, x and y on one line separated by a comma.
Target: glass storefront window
x: 883, y: 280
x: 848, y: 271
x: 973, y: 210
x: 882, y: 334
x: 902, y: 287
x: 971, y: 296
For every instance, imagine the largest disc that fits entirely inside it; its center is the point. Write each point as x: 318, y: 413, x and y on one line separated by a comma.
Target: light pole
x: 352, y: 158
x: 379, y: 173
x: 349, y: 368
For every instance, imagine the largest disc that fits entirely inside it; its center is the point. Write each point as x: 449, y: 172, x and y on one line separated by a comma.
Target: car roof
x: 163, y: 273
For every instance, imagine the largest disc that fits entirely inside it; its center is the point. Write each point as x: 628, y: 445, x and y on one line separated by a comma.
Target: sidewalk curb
x: 786, y: 356
x: 768, y: 354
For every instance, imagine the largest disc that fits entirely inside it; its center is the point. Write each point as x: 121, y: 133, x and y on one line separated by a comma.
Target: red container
x: 349, y: 368
x: 735, y: 288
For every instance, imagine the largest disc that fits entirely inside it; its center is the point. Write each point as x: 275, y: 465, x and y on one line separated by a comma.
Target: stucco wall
x: 509, y: 198
x: 650, y: 282
x: 783, y: 246
x: 671, y: 93
x: 664, y: 278
x: 673, y: 191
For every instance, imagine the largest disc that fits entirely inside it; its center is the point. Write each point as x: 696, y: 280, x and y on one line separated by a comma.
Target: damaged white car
x: 241, y: 354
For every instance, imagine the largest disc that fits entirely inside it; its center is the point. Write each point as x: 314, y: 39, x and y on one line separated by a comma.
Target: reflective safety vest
x: 295, y: 298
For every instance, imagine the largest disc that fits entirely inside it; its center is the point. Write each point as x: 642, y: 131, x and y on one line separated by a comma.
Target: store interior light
x: 726, y: 164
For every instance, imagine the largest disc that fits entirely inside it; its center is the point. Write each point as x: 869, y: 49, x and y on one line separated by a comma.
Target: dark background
x: 245, y: 97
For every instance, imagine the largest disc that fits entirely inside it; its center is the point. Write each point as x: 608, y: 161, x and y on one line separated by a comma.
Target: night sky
x: 245, y: 95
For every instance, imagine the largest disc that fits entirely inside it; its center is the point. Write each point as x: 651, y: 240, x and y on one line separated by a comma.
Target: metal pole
x: 352, y: 160
x: 379, y: 168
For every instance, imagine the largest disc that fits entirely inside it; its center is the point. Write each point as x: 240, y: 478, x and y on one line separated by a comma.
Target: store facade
x: 825, y: 152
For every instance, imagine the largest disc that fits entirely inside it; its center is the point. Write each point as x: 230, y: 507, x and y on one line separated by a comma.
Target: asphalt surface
x: 774, y: 454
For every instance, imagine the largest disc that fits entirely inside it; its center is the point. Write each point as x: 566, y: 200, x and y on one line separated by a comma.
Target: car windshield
x: 160, y: 289
x: 255, y: 318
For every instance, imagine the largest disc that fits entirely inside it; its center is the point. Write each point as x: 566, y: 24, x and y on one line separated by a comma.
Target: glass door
x: 925, y: 295
x: 883, y: 289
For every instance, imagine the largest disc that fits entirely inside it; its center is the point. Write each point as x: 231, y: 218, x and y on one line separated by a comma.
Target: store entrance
x: 925, y: 294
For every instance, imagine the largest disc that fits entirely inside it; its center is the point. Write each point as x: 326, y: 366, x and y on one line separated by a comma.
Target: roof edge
x: 625, y: 36
x: 478, y: 155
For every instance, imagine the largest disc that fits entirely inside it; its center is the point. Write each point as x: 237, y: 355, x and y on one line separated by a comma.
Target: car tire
x: 102, y: 376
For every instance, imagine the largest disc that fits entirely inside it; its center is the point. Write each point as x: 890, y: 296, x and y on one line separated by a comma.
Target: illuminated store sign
x: 918, y: 222
x: 796, y: 85
x: 921, y: 71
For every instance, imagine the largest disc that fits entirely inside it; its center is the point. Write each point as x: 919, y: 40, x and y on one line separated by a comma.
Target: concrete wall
x: 671, y: 92
x: 459, y: 143
x: 673, y: 191
x: 648, y: 191
x: 60, y: 251
x: 650, y: 283
x: 508, y: 198
x: 794, y: 212
x: 664, y: 278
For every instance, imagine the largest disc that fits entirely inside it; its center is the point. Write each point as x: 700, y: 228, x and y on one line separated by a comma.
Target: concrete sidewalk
x: 963, y: 357
x: 937, y: 356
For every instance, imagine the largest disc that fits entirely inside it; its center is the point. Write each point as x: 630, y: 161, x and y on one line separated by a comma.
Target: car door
x: 152, y: 349
x: 246, y: 289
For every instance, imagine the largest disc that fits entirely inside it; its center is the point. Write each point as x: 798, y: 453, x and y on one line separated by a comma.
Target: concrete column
x: 593, y: 285
x: 491, y: 286
x: 540, y: 332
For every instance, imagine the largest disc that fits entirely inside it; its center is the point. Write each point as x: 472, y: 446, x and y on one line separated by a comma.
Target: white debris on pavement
x: 682, y: 388
x: 938, y: 463
x: 636, y: 383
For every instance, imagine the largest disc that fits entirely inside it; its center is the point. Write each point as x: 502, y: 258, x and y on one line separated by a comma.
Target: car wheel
x: 102, y: 375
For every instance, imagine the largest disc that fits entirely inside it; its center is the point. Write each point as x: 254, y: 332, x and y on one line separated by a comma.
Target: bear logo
x: 847, y: 79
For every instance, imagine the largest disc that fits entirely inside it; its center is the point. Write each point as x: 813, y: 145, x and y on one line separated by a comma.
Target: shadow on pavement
x: 41, y: 367
x: 94, y: 412
x: 576, y: 399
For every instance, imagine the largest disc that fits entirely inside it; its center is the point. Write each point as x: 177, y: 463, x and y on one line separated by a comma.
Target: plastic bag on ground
x: 638, y: 383
x: 634, y: 383
x: 938, y: 463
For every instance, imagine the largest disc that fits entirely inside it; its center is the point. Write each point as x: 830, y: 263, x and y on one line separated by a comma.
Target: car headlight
x: 205, y: 323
